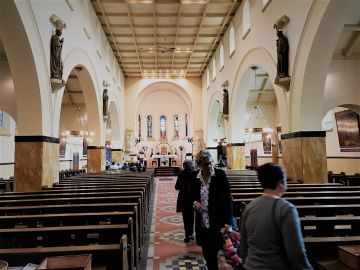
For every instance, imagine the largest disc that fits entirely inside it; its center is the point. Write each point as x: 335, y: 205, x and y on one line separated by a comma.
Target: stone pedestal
x: 304, y: 156
x: 95, y: 159
x: 36, y: 162
x: 235, y: 153
x: 116, y: 155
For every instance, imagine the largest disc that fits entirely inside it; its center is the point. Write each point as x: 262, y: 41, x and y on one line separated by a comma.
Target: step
x: 350, y: 255
x: 332, y: 265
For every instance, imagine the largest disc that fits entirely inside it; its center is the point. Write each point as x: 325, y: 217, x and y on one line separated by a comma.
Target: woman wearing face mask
x: 213, y: 205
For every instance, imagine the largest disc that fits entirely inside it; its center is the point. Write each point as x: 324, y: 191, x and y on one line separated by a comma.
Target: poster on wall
x: 85, y: 145
x: 76, y: 161
x: 266, y: 138
x: 62, y: 147
x: 347, y: 123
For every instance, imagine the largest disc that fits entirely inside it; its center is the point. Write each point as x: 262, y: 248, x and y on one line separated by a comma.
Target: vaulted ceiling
x: 164, y: 38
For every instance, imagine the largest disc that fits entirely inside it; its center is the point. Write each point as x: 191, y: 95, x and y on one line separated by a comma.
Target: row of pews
x: 329, y: 213
x: 105, y: 215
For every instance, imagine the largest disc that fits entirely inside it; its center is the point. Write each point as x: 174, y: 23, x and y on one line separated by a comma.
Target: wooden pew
x: 115, y: 256
x: 76, y: 219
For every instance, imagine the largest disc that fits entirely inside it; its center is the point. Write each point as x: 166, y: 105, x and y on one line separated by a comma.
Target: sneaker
x: 186, y: 240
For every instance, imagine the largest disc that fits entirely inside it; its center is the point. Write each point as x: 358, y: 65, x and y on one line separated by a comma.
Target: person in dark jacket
x: 213, y: 205
x: 184, y: 201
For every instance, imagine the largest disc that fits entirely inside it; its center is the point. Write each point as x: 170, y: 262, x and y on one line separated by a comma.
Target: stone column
x: 304, y: 156
x: 95, y: 159
x: 235, y: 153
x: 116, y: 155
x: 36, y: 162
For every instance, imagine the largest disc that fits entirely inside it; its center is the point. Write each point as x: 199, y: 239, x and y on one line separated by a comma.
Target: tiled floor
x: 167, y: 249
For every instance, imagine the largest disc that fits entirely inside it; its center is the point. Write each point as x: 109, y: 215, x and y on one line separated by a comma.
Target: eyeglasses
x: 205, y: 164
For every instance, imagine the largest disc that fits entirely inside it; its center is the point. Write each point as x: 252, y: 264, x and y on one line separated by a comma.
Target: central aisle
x: 167, y: 249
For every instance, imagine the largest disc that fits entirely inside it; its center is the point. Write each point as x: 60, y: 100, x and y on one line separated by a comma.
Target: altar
x: 164, y: 160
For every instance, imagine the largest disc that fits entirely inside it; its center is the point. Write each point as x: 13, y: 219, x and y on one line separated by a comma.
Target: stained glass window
x: 139, y: 125
x: 176, y: 126
x: 162, y: 127
x: 149, y: 126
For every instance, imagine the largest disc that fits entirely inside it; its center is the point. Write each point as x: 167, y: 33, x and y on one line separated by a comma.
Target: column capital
x: 36, y: 138
x: 303, y: 134
x: 235, y: 144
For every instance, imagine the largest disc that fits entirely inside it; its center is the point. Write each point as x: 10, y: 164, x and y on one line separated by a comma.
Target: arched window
x: 149, y: 126
x: 246, y: 18
x: 232, y: 40
x: 162, y: 127
x: 139, y: 126
x: 186, y: 126
x: 176, y: 127
x: 214, y: 69
x: 207, y: 78
x: 265, y: 4
x: 221, y: 57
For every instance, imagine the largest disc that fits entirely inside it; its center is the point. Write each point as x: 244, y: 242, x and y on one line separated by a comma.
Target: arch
x: 88, y: 82
x: 116, y: 135
x: 321, y: 34
x: 164, y: 85
x: 216, y: 104
x: 29, y: 113
x: 239, y: 92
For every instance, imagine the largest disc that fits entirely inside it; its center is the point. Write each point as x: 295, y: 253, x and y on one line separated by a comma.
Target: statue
x: 226, y: 102
x: 56, y: 65
x: 282, y: 45
x: 105, y: 102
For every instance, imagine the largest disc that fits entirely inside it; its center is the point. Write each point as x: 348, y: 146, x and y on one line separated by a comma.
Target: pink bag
x: 230, y: 246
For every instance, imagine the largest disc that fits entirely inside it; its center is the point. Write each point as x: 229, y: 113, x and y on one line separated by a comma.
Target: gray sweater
x: 271, y: 236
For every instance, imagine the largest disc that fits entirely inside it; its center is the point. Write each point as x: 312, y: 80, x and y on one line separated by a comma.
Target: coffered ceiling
x: 164, y: 38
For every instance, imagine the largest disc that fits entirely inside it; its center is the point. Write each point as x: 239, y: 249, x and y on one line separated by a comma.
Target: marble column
x: 95, y: 159
x: 235, y: 153
x: 116, y: 155
x: 36, y: 162
x: 304, y: 156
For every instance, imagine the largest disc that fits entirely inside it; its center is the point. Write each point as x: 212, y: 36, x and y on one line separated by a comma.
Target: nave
x: 167, y: 249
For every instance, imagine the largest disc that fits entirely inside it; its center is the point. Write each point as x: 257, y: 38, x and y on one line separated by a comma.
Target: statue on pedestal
x: 282, y: 45
x: 105, y: 102
x: 225, y: 102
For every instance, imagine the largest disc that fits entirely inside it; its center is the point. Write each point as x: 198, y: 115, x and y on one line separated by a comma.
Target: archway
x: 243, y: 83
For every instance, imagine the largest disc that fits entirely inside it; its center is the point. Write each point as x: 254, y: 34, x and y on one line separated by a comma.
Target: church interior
x: 101, y: 102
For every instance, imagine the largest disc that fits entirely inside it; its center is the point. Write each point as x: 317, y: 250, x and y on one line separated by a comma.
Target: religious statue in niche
x: 282, y: 48
x: 105, y: 98
x: 149, y: 126
x: 225, y: 102
x: 176, y: 126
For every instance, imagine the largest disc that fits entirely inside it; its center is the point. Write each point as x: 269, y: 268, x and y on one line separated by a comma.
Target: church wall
x: 83, y: 31
x: 7, y: 93
x: 261, y: 35
x: 189, y: 89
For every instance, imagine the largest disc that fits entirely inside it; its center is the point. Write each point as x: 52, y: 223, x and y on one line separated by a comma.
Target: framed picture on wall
x: 85, y: 145
x: 347, y: 123
x: 266, y: 138
x: 278, y: 131
x: 62, y: 147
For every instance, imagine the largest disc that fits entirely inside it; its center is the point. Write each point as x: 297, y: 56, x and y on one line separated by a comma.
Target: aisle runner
x: 167, y: 249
